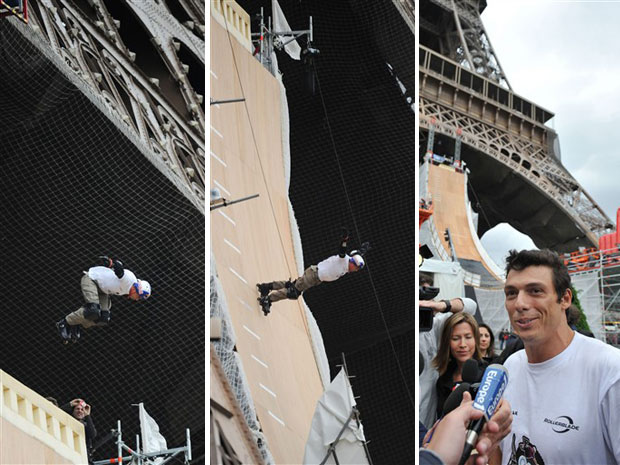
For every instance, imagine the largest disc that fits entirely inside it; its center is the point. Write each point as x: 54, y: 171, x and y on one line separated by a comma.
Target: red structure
x: 607, y: 254
x: 611, y: 240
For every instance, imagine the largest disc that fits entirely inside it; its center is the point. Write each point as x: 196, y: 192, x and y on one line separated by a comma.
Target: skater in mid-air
x: 98, y: 283
x: 329, y: 269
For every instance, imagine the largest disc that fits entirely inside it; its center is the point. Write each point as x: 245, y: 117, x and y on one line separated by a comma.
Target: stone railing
x: 38, y: 418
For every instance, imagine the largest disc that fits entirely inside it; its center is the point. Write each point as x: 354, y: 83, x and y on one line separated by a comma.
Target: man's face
x: 78, y: 411
x: 532, y: 304
x: 133, y: 294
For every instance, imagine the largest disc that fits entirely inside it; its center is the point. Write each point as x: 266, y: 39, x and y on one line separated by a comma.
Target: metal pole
x: 138, y: 449
x: 232, y: 100
x: 188, y: 442
x: 332, y: 446
x: 225, y: 203
x: 311, y: 36
x: 260, y: 38
x: 119, y: 442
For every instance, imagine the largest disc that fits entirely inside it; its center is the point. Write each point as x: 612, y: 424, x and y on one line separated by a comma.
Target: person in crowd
x: 330, y: 269
x: 503, y: 338
x: 98, y: 283
x: 573, y: 314
x: 429, y: 343
x: 52, y: 400
x: 564, y: 388
x: 460, y: 341
x: 448, y: 436
x: 487, y: 342
x: 80, y: 410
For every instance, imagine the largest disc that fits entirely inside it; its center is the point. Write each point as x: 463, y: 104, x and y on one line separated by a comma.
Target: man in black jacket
x: 80, y: 410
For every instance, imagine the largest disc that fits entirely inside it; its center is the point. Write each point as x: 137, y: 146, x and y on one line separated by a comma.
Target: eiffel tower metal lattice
x: 491, y: 119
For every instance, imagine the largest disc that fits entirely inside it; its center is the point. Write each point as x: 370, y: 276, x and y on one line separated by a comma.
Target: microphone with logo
x: 492, y: 386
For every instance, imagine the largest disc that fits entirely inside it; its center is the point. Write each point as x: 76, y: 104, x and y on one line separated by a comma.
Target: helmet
x: 357, y: 260
x: 143, y: 289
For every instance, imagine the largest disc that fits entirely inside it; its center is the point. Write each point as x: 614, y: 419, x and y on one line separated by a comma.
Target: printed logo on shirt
x: 525, y: 453
x: 562, y: 424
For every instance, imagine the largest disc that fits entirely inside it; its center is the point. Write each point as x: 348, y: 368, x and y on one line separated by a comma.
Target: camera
x: 426, y: 313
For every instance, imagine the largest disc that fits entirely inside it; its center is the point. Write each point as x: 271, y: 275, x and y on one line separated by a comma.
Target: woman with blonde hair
x: 460, y: 341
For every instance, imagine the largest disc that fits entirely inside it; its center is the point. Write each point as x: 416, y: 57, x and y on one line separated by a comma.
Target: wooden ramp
x: 450, y: 204
x: 251, y: 242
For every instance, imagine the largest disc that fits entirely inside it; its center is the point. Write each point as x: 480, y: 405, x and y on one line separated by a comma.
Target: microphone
x: 470, y: 372
x: 492, y: 386
x: 455, y: 398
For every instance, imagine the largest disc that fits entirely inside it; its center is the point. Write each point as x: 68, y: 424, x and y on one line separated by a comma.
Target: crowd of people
x: 563, y: 393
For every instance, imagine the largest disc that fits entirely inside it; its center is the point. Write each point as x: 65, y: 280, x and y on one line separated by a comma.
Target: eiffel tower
x: 468, y: 108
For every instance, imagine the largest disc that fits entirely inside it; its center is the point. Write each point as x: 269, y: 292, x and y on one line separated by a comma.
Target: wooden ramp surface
x: 447, y: 188
x: 251, y: 242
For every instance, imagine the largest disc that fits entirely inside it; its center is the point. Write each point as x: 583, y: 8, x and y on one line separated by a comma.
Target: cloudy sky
x: 564, y: 56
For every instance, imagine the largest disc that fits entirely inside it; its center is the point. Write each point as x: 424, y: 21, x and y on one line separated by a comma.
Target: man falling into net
x: 330, y: 269
x: 98, y: 283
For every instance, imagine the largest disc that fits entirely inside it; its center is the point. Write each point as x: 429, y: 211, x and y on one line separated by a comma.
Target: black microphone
x: 455, y: 398
x: 470, y: 372
x: 492, y: 386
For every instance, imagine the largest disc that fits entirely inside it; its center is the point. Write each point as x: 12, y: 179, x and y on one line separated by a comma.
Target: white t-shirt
x: 333, y: 267
x: 108, y: 282
x: 429, y: 344
x: 567, y: 409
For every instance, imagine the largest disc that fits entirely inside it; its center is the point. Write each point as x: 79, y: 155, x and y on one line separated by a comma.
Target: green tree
x: 582, y: 324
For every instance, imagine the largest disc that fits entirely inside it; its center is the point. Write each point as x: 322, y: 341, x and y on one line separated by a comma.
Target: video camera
x: 426, y: 313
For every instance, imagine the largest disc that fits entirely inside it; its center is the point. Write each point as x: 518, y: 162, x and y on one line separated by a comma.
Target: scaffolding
x: 136, y: 457
x: 606, y: 265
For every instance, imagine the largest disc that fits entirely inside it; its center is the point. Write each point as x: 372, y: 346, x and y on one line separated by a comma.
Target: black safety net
x: 353, y: 161
x: 73, y: 187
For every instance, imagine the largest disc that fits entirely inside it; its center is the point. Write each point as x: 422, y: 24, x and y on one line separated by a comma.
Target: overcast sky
x: 564, y: 56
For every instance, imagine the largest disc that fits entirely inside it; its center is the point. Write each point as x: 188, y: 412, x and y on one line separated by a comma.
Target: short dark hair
x: 573, y: 315
x: 425, y: 278
x: 520, y: 260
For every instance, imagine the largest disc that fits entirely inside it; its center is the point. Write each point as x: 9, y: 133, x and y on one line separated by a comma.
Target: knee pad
x: 104, y: 317
x: 92, y: 311
x: 292, y: 292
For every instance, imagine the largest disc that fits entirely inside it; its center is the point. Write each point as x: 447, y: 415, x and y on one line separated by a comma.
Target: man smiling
x: 564, y: 387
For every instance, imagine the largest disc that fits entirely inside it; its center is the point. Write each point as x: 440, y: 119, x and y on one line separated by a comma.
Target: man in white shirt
x: 564, y: 388
x: 98, y: 283
x: 330, y: 269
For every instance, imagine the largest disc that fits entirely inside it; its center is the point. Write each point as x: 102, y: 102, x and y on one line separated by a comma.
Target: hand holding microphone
x: 488, y: 397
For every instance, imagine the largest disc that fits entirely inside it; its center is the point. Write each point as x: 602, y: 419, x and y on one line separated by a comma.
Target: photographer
x: 429, y: 343
x: 80, y: 410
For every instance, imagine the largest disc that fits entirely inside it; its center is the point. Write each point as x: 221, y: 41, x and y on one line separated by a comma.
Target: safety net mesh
x: 353, y: 164
x: 73, y: 188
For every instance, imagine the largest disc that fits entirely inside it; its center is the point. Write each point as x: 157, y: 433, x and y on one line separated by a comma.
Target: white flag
x: 152, y: 440
x: 280, y: 24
